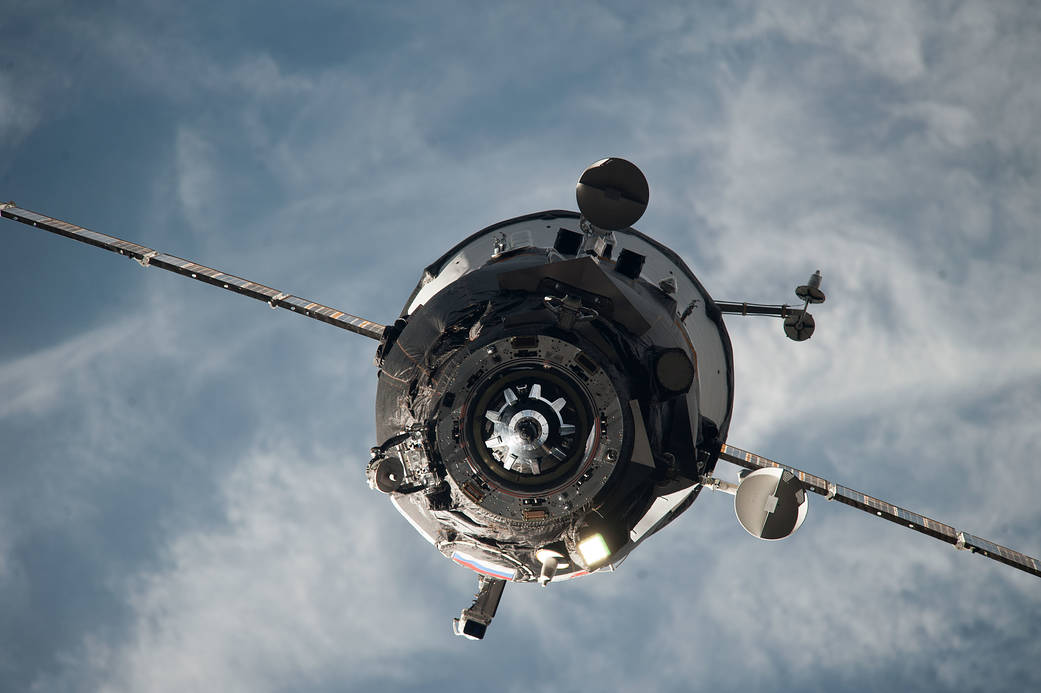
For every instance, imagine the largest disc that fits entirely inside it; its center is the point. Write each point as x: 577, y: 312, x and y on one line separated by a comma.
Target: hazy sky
x: 182, y: 497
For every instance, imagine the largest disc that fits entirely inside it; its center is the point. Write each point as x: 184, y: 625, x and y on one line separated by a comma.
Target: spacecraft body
x: 558, y: 388
x: 550, y: 395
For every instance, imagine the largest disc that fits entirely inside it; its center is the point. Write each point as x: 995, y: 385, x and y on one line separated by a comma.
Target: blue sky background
x: 182, y: 499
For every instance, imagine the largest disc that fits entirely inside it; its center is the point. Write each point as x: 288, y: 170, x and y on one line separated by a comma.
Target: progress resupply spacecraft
x: 558, y: 388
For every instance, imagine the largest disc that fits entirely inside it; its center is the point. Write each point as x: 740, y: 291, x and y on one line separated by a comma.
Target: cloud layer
x: 183, y: 504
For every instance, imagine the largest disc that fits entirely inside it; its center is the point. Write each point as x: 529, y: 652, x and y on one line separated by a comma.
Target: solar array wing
x: 888, y: 511
x: 193, y: 270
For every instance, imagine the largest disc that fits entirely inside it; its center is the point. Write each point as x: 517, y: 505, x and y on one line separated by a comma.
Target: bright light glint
x: 594, y: 549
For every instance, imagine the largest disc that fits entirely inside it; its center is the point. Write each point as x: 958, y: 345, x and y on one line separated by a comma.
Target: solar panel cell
x: 193, y: 270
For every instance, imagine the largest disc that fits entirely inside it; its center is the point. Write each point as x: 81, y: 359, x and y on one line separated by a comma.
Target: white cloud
x: 18, y: 112
x: 949, y: 126
x: 883, y: 37
x: 198, y: 183
x: 301, y: 583
x: 35, y: 384
x: 892, y: 147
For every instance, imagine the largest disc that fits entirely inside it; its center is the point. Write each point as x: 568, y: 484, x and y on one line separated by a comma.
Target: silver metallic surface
x: 519, y: 436
x: 536, y: 486
x: 702, y: 336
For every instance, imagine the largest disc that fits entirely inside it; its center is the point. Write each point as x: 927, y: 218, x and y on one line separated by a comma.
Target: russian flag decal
x: 483, y: 567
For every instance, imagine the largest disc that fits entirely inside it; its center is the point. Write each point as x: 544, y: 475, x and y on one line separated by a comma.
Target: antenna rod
x: 735, y: 308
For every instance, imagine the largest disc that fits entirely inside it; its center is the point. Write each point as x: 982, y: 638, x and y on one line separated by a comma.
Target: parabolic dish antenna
x: 612, y: 194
